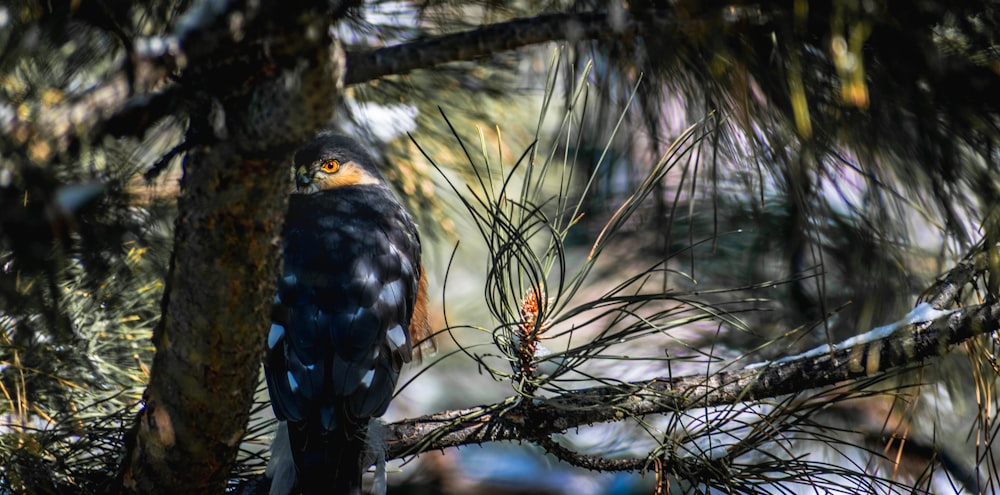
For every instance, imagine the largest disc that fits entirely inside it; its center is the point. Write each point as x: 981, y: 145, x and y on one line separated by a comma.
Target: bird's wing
x: 341, y: 329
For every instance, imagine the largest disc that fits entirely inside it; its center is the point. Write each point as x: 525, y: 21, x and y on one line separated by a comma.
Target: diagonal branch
x: 469, y: 45
x: 908, y: 346
x: 911, y: 342
x: 948, y: 287
x: 923, y: 334
x: 496, y: 38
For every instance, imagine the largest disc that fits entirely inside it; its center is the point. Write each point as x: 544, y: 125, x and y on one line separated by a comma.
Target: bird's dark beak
x: 302, y: 177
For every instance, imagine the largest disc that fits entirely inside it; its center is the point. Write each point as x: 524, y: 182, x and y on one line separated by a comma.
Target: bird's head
x: 330, y: 161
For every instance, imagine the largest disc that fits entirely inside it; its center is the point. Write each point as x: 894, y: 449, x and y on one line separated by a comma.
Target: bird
x: 351, y: 301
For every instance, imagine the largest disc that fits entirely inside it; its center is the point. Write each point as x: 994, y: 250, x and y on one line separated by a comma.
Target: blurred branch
x: 55, y: 128
x: 535, y: 421
x: 469, y: 45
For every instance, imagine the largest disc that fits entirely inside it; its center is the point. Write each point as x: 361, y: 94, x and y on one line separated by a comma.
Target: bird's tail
x: 328, y: 462
x: 342, y: 478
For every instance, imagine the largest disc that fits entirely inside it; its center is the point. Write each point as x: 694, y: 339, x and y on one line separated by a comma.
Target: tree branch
x: 947, y: 289
x: 509, y: 421
x: 514, y: 420
x: 365, y: 66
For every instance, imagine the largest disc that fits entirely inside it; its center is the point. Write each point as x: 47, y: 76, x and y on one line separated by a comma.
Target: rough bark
x: 210, y: 338
x: 227, y: 236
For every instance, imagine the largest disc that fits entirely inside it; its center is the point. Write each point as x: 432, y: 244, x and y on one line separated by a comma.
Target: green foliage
x: 82, y: 256
x: 76, y: 326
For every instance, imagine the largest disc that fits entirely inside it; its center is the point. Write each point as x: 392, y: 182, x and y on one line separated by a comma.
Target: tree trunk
x: 216, y: 310
x: 255, y: 96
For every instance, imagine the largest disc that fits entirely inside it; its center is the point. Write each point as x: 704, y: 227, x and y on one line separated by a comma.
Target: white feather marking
x: 366, y: 380
x: 396, y: 337
x: 276, y: 334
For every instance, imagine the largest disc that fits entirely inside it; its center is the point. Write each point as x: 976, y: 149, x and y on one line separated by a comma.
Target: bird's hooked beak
x: 302, y: 177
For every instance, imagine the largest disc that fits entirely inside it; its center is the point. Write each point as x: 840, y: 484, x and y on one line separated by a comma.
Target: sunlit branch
x: 542, y: 418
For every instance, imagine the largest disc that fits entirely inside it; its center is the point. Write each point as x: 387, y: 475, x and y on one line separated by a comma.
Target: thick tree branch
x: 496, y: 38
x: 205, y: 371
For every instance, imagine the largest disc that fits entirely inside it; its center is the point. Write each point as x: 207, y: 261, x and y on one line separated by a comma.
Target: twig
x: 593, y: 463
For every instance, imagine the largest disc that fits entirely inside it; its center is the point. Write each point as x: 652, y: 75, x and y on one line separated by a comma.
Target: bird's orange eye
x: 330, y: 166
